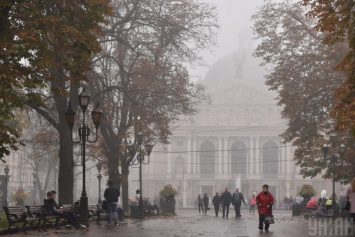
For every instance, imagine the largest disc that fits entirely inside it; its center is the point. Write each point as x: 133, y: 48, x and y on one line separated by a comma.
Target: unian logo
x: 331, y: 227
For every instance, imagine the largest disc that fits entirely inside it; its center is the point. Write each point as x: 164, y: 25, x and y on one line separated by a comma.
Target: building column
x: 280, y: 161
x: 220, y: 156
x: 288, y: 159
x: 257, y: 156
x: 251, y: 156
x: 188, y: 165
x: 226, y: 156
x: 184, y: 187
x: 194, y: 155
x: 169, y: 160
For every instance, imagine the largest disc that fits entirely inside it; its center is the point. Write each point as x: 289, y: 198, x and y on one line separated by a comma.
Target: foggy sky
x: 234, y: 18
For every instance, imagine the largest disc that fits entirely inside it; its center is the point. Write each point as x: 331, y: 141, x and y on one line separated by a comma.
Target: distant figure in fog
x: 200, y: 204
x: 252, y: 203
x: 226, y: 201
x: 237, y: 200
x: 206, y: 202
x: 138, y: 194
x: 216, y: 201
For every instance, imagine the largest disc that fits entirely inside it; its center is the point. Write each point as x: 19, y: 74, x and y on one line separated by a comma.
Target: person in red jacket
x: 264, y: 200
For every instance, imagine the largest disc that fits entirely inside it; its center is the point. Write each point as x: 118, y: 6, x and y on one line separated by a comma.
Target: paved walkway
x: 189, y: 223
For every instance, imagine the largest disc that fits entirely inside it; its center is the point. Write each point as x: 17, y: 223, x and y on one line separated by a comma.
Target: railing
x: 235, y: 176
x: 206, y: 176
x: 270, y: 176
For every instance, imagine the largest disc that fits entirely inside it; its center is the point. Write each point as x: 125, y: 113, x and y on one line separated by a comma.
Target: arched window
x: 207, y: 158
x: 239, y: 158
x: 270, y: 158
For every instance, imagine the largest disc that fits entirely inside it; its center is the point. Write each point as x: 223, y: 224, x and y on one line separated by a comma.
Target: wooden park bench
x: 40, y: 212
x: 92, y: 208
x: 151, y: 209
x: 16, y: 217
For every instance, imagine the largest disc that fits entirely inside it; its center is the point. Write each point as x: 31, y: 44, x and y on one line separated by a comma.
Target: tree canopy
x: 336, y: 20
x: 143, y: 80
x: 303, y: 73
x: 41, y: 41
x: 47, y: 47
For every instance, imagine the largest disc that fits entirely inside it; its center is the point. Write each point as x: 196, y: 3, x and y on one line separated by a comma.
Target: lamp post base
x: 141, y: 209
x: 84, y: 212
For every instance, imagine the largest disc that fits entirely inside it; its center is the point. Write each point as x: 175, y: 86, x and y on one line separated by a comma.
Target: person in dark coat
x: 226, y: 198
x: 216, y: 201
x: 237, y: 199
x: 111, y: 195
x: 264, y: 200
x: 53, y: 209
x: 200, y: 204
x: 206, y: 202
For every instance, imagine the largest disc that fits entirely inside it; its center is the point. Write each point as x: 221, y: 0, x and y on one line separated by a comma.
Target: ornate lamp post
x: 99, y: 177
x: 333, y: 158
x: 83, y: 133
x: 7, y: 171
x: 132, y: 149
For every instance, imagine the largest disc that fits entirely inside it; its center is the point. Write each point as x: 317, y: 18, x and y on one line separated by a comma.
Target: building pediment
x: 240, y: 92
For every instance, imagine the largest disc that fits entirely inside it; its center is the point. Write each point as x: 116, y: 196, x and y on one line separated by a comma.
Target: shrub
x: 307, y: 191
x: 20, y: 196
x: 168, y: 192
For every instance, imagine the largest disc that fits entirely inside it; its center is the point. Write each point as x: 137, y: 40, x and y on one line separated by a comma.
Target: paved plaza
x: 190, y: 223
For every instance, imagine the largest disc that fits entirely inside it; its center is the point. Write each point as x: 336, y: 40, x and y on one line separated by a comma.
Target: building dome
x: 236, y: 66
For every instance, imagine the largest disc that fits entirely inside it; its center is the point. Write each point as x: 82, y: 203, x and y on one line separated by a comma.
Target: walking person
x: 264, y: 200
x: 290, y: 202
x: 286, y: 202
x: 200, y: 204
x: 206, y: 202
x: 252, y: 203
x: 111, y: 195
x: 237, y: 199
x: 350, y: 195
x: 226, y: 198
x: 137, y: 196
x: 216, y: 201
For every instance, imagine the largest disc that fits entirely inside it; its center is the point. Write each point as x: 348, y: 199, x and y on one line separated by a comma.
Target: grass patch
x: 3, y: 221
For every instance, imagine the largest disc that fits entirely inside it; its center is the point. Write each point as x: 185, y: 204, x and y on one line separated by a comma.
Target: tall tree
x: 47, y: 47
x: 42, y: 144
x: 336, y: 19
x: 144, y: 83
x: 302, y: 72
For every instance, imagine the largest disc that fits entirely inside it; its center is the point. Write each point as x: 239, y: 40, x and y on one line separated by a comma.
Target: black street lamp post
x: 148, y: 147
x: 7, y: 171
x: 333, y: 158
x: 99, y: 177
x: 83, y: 133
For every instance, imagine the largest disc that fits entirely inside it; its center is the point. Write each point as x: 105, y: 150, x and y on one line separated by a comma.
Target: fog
x: 234, y: 36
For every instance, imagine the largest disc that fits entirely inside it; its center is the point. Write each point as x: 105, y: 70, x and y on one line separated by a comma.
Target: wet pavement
x: 190, y: 223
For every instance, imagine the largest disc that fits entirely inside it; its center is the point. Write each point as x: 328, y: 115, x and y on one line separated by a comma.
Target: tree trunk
x: 124, y: 182
x: 113, y: 153
x: 113, y: 173
x: 66, y: 160
x: 112, y: 163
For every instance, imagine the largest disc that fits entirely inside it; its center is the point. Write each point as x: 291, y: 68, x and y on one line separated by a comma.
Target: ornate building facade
x: 231, y: 142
